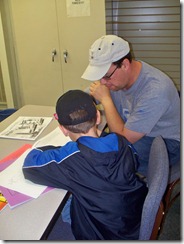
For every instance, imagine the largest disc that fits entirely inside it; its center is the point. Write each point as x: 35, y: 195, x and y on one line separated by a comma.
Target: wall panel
x: 153, y: 30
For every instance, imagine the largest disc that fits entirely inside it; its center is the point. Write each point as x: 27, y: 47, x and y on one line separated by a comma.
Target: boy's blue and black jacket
x: 100, y: 173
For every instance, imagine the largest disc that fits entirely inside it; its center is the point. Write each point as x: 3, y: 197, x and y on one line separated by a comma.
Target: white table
x: 31, y: 220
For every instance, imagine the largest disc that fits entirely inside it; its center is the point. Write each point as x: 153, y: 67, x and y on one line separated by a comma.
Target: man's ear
x: 64, y: 130
x: 126, y: 63
x: 98, y: 119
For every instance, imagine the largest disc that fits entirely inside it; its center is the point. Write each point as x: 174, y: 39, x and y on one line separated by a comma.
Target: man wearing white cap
x: 140, y: 101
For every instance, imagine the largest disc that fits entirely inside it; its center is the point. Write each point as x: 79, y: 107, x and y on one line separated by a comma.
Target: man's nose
x: 103, y: 81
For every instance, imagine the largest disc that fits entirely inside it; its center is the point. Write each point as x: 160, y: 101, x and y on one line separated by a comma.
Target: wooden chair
x: 158, y: 222
x: 172, y: 191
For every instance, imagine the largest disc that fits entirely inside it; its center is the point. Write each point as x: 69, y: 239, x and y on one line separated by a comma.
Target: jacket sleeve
x: 46, y: 166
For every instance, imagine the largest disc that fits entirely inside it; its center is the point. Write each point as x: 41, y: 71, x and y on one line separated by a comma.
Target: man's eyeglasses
x: 108, y: 77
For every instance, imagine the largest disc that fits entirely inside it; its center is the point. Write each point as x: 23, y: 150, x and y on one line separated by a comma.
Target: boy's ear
x: 64, y: 130
x: 98, y: 120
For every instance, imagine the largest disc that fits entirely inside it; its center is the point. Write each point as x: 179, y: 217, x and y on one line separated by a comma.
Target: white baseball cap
x: 103, y: 52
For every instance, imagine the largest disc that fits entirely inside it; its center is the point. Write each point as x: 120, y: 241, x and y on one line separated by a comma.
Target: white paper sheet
x: 55, y: 138
x: 78, y: 8
x: 12, y: 178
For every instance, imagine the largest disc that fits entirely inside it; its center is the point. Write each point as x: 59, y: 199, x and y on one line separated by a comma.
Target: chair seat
x: 174, y: 180
x: 174, y: 172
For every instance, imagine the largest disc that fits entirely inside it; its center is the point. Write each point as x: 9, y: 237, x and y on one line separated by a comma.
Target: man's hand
x: 99, y: 92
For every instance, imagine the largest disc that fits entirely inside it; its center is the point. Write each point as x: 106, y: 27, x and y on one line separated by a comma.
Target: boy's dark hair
x: 76, y: 111
x: 82, y: 127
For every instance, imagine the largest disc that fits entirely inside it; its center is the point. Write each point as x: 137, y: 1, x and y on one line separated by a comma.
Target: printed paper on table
x: 26, y: 128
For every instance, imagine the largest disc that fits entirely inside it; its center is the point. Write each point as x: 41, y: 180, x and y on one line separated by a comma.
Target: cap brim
x: 95, y: 72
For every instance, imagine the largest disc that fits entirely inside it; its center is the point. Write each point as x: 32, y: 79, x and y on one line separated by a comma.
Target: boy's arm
x: 43, y: 166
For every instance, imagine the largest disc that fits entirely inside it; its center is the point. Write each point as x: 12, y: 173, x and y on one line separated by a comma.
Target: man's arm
x: 114, y: 120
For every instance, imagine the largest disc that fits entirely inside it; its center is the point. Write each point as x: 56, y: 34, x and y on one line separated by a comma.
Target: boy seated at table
x: 99, y: 171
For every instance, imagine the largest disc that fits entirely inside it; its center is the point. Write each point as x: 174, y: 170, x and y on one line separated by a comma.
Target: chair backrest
x: 157, y: 179
x: 174, y: 172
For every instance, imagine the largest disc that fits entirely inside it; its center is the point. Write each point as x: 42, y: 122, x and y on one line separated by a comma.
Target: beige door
x: 76, y: 36
x: 36, y: 36
x: 41, y: 27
